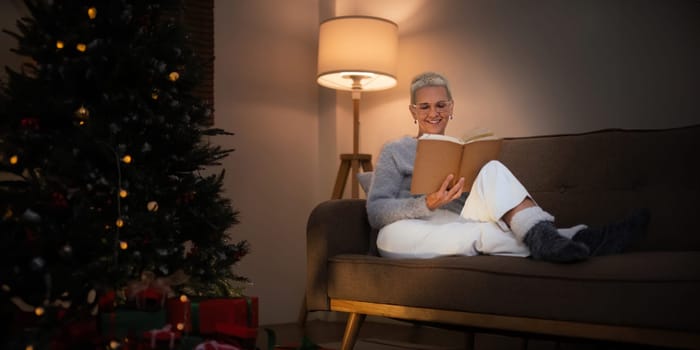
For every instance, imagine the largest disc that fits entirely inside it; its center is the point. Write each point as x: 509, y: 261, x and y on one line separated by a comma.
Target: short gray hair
x: 429, y: 79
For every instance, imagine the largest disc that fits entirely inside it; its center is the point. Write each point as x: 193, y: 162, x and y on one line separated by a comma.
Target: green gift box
x: 124, y: 322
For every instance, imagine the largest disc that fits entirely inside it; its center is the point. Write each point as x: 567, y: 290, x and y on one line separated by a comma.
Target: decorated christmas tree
x: 106, y: 181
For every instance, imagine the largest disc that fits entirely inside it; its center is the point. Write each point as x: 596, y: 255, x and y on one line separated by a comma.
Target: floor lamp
x: 356, y: 53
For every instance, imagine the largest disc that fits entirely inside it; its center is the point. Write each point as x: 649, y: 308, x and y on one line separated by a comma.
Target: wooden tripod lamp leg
x: 341, y: 178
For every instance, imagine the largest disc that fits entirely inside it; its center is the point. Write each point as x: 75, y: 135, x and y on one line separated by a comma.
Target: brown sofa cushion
x: 598, y: 177
x: 603, y: 290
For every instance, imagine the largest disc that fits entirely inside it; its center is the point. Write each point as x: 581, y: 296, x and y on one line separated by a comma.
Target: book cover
x: 439, y: 155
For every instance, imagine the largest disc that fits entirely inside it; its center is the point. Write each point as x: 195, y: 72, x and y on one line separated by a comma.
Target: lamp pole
x: 356, y: 92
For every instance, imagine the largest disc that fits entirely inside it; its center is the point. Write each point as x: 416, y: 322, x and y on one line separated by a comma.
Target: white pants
x: 478, y: 230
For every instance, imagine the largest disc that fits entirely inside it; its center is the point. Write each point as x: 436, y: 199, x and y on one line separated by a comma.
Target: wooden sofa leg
x: 352, y: 329
x: 469, y: 340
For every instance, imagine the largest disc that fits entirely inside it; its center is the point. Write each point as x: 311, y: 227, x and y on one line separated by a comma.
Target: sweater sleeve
x: 389, y: 197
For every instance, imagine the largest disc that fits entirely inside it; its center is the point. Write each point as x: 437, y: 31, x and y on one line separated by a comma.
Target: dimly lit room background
x: 519, y: 68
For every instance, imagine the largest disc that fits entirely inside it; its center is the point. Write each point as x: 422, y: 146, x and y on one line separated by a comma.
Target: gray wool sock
x: 535, y: 227
x: 616, y: 237
x: 547, y: 244
x: 524, y: 219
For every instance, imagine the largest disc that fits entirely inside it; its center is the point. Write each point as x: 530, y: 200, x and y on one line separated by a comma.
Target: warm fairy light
x: 183, y: 298
x: 154, y: 95
x: 174, y: 76
x: 39, y: 311
x: 120, y: 222
x: 123, y: 245
x: 92, y: 13
x: 14, y: 160
x: 29, y: 347
x: 123, y: 193
x: 114, y: 344
x: 81, y: 47
x: 59, y: 44
x: 82, y: 122
x: 180, y: 326
x: 126, y: 159
x: 82, y: 112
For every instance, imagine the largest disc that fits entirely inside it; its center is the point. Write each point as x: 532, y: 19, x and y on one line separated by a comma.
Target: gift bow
x: 215, y: 345
x: 167, y: 330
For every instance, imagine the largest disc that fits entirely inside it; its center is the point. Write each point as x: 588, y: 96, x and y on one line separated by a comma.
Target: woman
x: 496, y: 217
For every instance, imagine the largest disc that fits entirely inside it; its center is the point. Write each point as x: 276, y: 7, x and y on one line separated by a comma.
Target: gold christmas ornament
x: 174, y: 76
x: 152, y: 206
x: 126, y: 159
x: 183, y: 298
x: 81, y: 47
x: 82, y: 113
x: 59, y: 44
x: 123, y: 193
x: 92, y: 13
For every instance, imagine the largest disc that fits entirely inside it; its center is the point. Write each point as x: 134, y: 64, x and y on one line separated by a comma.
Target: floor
x: 373, y: 335
x: 405, y: 336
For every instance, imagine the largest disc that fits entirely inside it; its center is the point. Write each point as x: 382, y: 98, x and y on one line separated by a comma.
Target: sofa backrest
x: 598, y: 177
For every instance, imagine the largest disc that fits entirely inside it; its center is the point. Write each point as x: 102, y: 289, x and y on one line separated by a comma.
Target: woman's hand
x: 445, y: 194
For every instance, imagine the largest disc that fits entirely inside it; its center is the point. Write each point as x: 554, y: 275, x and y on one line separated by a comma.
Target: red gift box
x: 178, y: 311
x: 150, y: 299
x: 82, y: 333
x: 108, y: 301
x: 219, y: 315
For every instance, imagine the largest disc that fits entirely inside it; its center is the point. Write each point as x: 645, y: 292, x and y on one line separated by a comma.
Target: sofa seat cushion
x: 602, y: 290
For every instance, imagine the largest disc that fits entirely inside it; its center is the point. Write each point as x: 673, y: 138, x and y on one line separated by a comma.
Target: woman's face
x: 432, y: 110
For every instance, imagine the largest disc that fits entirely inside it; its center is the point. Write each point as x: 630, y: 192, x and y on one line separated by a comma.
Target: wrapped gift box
x: 178, y: 311
x: 126, y: 322
x: 241, y: 312
x: 233, y: 320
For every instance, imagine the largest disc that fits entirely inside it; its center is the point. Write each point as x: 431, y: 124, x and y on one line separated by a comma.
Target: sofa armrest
x: 337, y: 226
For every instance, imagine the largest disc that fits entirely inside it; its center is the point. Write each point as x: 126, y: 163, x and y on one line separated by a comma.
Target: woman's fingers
x: 445, y: 194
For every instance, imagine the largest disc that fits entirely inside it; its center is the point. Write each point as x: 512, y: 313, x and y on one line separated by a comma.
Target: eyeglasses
x: 440, y: 107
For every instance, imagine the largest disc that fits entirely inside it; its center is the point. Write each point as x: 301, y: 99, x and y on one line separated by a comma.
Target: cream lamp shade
x: 357, y: 53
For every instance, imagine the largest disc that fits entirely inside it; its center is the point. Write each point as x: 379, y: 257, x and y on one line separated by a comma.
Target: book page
x: 435, y: 159
x: 441, y: 137
x: 478, y: 134
x: 476, y: 155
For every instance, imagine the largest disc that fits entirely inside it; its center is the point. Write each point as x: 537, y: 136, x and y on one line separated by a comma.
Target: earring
x: 415, y: 121
x: 451, y: 117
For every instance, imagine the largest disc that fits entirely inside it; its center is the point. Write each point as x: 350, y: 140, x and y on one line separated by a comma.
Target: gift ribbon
x: 249, y: 313
x: 166, y: 329
x: 213, y: 344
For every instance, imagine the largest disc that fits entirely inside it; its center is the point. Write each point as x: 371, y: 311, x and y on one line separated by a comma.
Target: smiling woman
x: 497, y: 216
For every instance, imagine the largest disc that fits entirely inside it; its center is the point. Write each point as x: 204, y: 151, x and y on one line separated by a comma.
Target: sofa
x: 649, y: 295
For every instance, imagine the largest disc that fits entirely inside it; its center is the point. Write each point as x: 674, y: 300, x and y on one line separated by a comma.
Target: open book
x: 438, y: 156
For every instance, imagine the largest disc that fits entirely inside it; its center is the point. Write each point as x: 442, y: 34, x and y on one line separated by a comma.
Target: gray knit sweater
x: 389, y: 198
